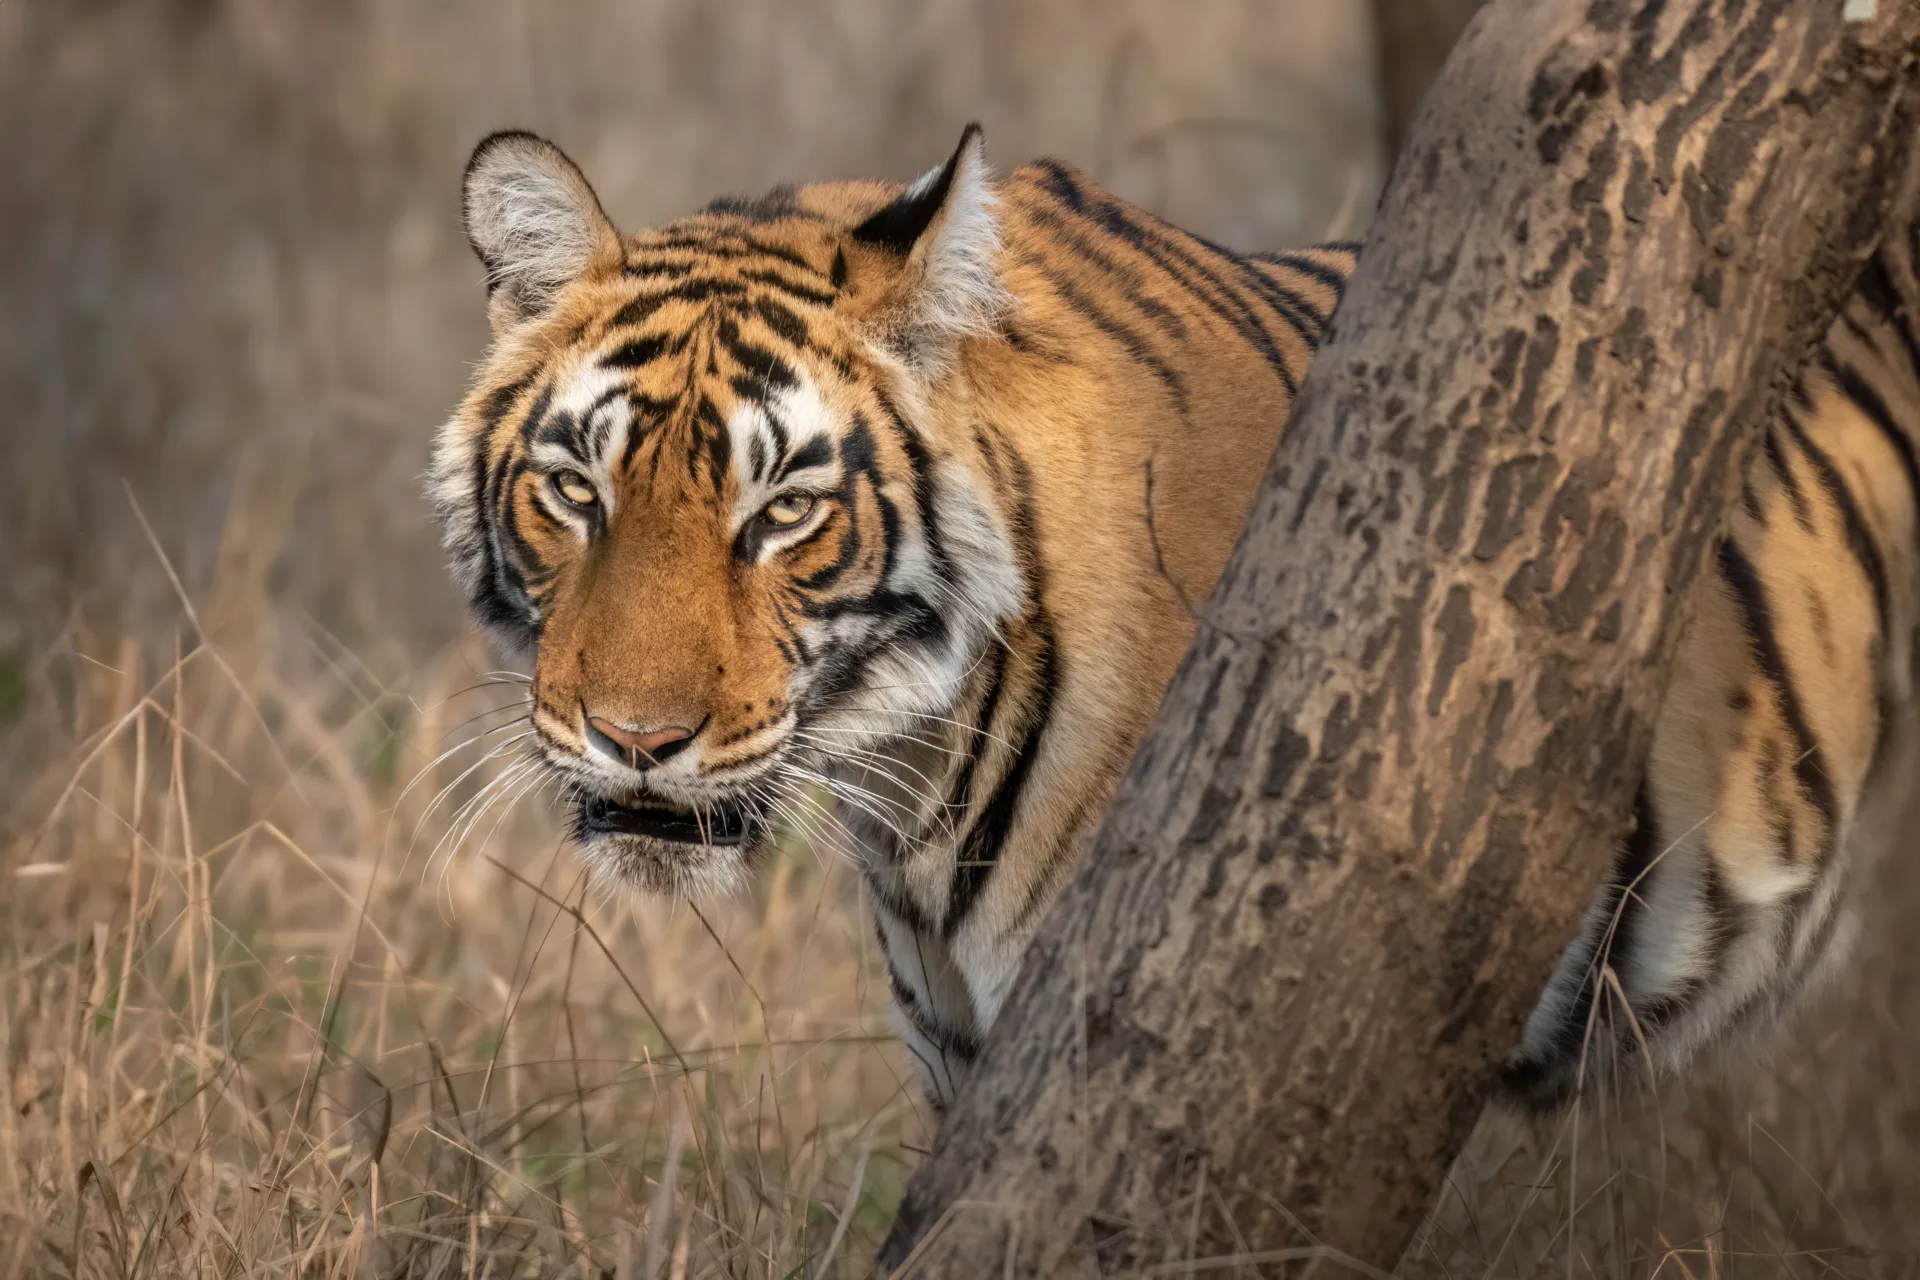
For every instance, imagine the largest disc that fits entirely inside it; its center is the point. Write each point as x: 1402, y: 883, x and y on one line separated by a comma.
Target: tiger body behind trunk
x: 1026, y: 421
x: 1122, y: 419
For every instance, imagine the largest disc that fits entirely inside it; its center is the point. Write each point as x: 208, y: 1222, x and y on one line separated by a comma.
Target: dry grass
x: 292, y: 981
x: 291, y: 987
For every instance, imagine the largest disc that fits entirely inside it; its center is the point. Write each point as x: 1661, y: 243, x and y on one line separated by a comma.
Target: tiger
x: 889, y: 504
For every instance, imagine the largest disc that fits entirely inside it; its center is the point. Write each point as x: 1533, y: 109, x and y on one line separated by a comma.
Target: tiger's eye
x: 789, y: 508
x: 575, y: 488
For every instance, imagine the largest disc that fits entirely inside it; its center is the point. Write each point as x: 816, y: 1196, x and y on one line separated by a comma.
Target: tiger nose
x: 642, y: 749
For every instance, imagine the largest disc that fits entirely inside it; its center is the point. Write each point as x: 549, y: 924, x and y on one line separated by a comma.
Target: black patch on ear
x: 899, y: 225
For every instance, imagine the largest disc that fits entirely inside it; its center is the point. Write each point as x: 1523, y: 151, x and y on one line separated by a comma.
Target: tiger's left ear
x: 941, y: 243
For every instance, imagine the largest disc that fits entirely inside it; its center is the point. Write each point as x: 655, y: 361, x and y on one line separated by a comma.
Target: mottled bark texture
x: 1413, y: 38
x: 1396, y: 760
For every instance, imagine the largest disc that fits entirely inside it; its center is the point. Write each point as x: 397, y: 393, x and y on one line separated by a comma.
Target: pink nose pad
x: 645, y: 749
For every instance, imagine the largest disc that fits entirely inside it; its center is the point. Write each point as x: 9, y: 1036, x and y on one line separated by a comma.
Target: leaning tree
x: 1394, y: 764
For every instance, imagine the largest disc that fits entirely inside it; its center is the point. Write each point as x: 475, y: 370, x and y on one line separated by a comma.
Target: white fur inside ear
x: 533, y: 219
x: 959, y: 294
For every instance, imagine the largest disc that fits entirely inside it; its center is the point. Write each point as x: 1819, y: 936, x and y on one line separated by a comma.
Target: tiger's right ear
x: 535, y: 224
x: 939, y: 244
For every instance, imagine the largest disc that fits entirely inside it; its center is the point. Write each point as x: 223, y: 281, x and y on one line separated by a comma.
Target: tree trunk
x: 1413, y: 38
x: 1394, y: 765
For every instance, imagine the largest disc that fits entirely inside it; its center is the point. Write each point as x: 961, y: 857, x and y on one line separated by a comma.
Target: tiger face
x: 699, y: 476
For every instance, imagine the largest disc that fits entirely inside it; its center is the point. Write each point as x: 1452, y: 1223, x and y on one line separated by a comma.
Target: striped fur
x: 1024, y: 420
x: 1782, y: 730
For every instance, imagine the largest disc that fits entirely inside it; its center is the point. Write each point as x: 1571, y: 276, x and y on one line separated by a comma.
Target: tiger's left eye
x: 575, y: 488
x: 789, y: 508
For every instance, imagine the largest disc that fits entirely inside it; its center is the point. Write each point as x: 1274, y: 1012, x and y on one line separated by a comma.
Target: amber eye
x: 789, y: 508
x: 575, y: 488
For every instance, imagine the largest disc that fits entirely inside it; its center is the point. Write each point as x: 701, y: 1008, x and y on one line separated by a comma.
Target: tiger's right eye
x: 574, y: 488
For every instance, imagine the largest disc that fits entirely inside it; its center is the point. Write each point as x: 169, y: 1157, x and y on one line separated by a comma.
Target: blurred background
x: 296, y: 976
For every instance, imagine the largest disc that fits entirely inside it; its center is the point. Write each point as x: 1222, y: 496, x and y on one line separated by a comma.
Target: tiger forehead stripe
x: 781, y: 319
x: 719, y: 251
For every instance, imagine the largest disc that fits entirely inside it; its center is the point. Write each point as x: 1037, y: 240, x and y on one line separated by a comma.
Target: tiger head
x: 707, y: 476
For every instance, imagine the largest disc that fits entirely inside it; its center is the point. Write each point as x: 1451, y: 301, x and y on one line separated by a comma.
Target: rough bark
x: 1395, y: 762
x: 1413, y: 38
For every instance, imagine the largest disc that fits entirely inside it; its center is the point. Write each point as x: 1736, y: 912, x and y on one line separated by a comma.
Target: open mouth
x: 726, y: 823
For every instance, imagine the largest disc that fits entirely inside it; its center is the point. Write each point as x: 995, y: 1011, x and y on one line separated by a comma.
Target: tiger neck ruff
x: 881, y: 512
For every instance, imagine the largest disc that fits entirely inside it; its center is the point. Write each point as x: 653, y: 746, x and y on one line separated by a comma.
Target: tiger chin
x: 877, y: 509
x: 661, y: 848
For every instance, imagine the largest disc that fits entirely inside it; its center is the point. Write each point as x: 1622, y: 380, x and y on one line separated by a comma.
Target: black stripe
x: 1809, y: 764
x: 814, y: 453
x: 526, y: 562
x: 1156, y: 243
x: 1857, y: 389
x: 1135, y: 345
x: 1767, y: 782
x: 1876, y: 288
x: 1126, y: 282
x: 774, y: 206
x: 501, y: 401
x: 781, y: 440
x: 1319, y: 272
x: 980, y: 851
x: 920, y: 466
x: 1290, y: 306
x: 859, y: 458
x: 537, y: 415
x: 1750, y: 500
x: 719, y: 453
x: 774, y: 280
x: 642, y: 269
x: 700, y: 290
x: 1633, y: 874
x: 961, y: 797
x: 507, y: 597
x: 1859, y: 537
x: 715, y: 244
x: 757, y: 363
x: 490, y: 602
x: 600, y: 422
x: 959, y: 1042
x: 782, y: 321
x: 786, y: 255
x: 638, y: 353
x: 642, y: 408
x: 492, y: 477
x: 843, y: 559
x: 1789, y: 483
